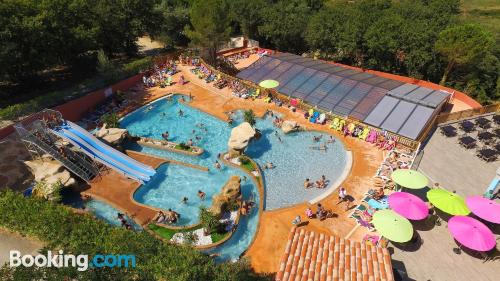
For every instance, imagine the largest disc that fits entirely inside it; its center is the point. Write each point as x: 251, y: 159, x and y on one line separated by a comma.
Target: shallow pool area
x: 99, y: 209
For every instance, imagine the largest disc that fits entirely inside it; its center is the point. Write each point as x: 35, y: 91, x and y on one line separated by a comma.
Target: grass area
x: 247, y: 164
x: 184, y: 147
x: 483, y: 12
x: 167, y: 234
x: 216, y: 237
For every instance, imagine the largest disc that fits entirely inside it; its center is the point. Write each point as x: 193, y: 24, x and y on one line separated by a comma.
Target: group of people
x: 168, y: 217
x: 124, y: 221
x: 321, y: 183
x: 159, y: 73
x: 321, y: 213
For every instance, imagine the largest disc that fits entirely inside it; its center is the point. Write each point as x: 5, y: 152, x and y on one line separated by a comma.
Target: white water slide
x: 103, y: 153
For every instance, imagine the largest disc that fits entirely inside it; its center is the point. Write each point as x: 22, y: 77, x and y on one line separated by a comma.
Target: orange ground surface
x: 274, y: 227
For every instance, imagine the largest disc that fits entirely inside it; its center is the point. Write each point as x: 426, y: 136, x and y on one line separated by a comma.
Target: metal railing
x: 38, y: 140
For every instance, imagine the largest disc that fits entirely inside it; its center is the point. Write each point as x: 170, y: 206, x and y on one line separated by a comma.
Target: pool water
x: 98, y: 208
x: 293, y: 157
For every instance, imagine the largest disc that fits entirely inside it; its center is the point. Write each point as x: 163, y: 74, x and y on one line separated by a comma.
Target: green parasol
x: 392, y: 226
x: 409, y: 179
x: 269, y: 84
x: 448, y: 202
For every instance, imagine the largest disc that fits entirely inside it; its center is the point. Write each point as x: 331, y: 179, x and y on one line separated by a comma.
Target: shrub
x: 60, y: 228
x: 209, y: 221
x: 111, y: 120
x: 183, y: 146
x: 249, y: 117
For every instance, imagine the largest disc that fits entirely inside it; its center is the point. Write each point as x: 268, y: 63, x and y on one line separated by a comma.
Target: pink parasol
x: 484, y: 208
x: 408, y: 205
x: 471, y: 233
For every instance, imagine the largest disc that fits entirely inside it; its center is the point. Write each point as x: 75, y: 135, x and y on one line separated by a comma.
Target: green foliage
x: 216, y: 237
x: 210, y: 25
x: 209, y: 221
x: 54, y: 98
x: 60, y: 228
x: 183, y: 146
x: 284, y: 25
x: 462, y: 45
x: 37, y: 35
x: 105, y: 67
x: 111, y: 120
x: 174, y: 18
x: 48, y: 192
x: 249, y: 117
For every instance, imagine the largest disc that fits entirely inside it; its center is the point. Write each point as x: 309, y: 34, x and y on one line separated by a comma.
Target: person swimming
x: 181, y: 113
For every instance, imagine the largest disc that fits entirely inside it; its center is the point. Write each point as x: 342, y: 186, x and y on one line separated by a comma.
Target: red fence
x: 74, y: 110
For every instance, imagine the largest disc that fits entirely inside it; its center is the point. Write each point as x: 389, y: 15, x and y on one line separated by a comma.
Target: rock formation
x: 230, y: 192
x: 289, y: 126
x: 50, y: 171
x: 113, y: 136
x: 240, y: 137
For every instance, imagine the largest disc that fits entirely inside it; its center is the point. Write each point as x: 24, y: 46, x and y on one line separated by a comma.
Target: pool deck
x: 265, y: 252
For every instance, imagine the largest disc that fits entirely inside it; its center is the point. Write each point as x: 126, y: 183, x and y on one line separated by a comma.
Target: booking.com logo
x: 81, y: 262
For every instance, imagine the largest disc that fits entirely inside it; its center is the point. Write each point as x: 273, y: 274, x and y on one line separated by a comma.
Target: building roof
x: 350, y: 92
x: 312, y: 256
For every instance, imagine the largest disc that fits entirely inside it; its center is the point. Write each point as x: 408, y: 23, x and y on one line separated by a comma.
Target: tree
x: 249, y: 117
x: 284, y: 25
x: 248, y: 14
x: 463, y: 45
x: 210, y: 25
x: 173, y: 17
x: 209, y: 221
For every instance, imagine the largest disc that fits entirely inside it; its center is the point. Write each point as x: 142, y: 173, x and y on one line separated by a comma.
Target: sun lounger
x: 483, y: 122
x: 335, y: 123
x: 379, y: 205
x: 321, y: 119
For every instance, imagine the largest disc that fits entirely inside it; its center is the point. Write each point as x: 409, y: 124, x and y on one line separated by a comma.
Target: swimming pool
x: 293, y: 158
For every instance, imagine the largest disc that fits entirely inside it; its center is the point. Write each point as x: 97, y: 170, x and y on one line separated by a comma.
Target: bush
x: 111, y: 120
x: 249, y: 117
x: 183, y: 146
x: 60, y: 228
x: 209, y: 221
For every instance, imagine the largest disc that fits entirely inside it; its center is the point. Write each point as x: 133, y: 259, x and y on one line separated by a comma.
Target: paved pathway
x: 11, y: 241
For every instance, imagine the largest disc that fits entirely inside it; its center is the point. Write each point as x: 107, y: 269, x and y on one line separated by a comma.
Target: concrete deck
x: 455, y: 168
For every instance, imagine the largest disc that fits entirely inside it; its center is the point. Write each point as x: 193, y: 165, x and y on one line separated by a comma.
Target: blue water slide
x: 111, y: 152
x: 99, y: 156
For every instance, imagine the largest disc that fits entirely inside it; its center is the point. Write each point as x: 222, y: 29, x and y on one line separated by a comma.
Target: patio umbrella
x: 484, y: 208
x: 392, y: 226
x: 448, y: 202
x: 269, y: 84
x: 471, y: 233
x: 408, y: 205
x: 409, y: 179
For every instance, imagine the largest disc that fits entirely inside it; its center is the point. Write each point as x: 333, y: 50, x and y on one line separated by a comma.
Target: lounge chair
x: 335, y: 123
x: 322, y: 119
x: 364, y: 134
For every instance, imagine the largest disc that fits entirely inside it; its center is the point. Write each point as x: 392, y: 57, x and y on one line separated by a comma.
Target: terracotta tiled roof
x: 310, y: 256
